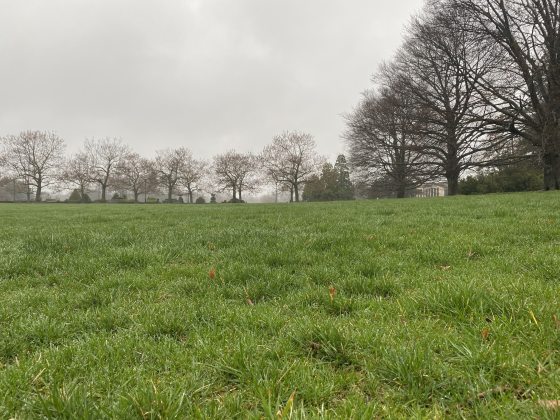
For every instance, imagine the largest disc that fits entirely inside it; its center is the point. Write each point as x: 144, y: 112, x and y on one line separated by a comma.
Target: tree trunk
x: 401, y: 190
x: 452, y: 176
x: 551, y: 161
x: 169, y: 193
x: 239, y: 190
x: 296, y: 192
x: 103, y: 192
x: 190, y: 197
x: 38, y: 192
x: 550, y: 141
x: 136, y: 195
x: 452, y: 185
x: 234, y: 193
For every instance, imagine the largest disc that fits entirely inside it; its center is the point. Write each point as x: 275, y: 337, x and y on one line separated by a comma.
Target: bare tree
x: 432, y: 69
x: 236, y: 172
x: 524, y: 87
x: 291, y: 159
x: 169, y: 165
x: 136, y: 174
x: 104, y: 156
x: 77, y: 172
x: 192, y: 175
x: 34, y: 157
x: 381, y: 134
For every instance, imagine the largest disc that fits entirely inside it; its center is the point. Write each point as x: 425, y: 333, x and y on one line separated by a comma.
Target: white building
x: 435, y: 189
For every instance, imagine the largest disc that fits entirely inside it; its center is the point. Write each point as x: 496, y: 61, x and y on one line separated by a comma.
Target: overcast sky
x: 211, y: 75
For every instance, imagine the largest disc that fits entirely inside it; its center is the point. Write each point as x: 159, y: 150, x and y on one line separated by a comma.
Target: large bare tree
x: 381, y: 134
x: 236, y: 172
x: 432, y: 69
x: 34, y: 157
x: 291, y: 160
x: 104, y: 156
x: 524, y: 87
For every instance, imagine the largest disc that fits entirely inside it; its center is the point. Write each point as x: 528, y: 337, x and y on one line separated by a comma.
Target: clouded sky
x: 211, y: 75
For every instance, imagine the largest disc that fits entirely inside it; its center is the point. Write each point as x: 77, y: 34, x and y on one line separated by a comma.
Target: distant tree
x: 200, y: 200
x: 323, y: 187
x: 212, y: 198
x: 137, y: 174
x: 345, y: 189
x: 76, y: 172
x: 333, y: 183
x: 381, y: 135
x: 291, y: 160
x: 236, y: 172
x: 104, y: 157
x: 192, y: 175
x: 313, y: 190
x: 77, y: 197
x: 34, y: 157
x: 169, y: 165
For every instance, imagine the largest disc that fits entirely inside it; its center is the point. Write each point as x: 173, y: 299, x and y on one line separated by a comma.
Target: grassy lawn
x: 425, y: 307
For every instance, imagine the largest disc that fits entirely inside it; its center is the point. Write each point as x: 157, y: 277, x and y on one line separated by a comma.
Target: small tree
x: 137, y: 175
x: 34, y: 157
x: 76, y: 173
x: 169, y: 165
x: 191, y: 176
x: 236, y: 172
x: 333, y: 184
x: 345, y: 189
x: 291, y: 160
x: 104, y: 157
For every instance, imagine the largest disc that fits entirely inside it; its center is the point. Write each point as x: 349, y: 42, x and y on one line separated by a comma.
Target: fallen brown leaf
x: 332, y: 293
x: 550, y: 404
x: 556, y: 321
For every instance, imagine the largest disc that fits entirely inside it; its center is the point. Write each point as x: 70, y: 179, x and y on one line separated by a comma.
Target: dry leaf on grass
x: 550, y: 404
x: 332, y: 293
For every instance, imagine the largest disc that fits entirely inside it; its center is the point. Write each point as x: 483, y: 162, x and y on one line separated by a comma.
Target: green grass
x: 109, y: 311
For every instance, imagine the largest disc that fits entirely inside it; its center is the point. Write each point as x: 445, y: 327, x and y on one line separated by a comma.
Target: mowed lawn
x: 443, y: 307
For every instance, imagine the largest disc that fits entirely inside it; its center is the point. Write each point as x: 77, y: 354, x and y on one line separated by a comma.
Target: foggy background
x: 211, y: 75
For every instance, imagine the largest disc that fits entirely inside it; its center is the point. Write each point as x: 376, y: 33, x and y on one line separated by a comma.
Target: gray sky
x: 211, y: 75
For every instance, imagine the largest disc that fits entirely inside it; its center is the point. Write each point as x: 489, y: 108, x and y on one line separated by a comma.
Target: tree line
x: 37, y: 160
x: 472, y: 94
x: 474, y: 88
